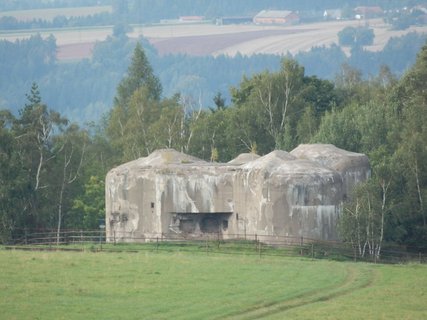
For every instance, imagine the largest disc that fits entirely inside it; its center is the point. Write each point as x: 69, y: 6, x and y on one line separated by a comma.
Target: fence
x: 79, y: 240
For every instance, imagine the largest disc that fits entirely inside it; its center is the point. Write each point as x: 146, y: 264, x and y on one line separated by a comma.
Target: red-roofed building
x: 276, y: 17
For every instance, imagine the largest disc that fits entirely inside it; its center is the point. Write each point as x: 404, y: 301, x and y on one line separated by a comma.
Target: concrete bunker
x: 189, y: 223
x: 171, y: 194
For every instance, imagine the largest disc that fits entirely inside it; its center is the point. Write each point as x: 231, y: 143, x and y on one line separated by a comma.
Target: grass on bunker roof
x: 182, y: 285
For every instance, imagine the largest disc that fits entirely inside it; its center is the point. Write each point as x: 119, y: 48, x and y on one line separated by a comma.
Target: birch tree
x: 363, y: 219
x: 71, y: 147
x: 278, y: 96
x: 33, y: 132
x: 191, y: 113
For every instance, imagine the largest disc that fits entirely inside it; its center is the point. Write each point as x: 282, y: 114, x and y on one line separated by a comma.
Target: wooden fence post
x: 218, y: 240
x: 301, y: 244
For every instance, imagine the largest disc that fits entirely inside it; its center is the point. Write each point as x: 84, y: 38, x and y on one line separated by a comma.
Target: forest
x: 63, y: 126
x: 197, y: 78
x: 52, y: 170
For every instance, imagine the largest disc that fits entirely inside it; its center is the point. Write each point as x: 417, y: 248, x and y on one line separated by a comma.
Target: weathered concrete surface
x: 280, y: 194
x: 353, y: 167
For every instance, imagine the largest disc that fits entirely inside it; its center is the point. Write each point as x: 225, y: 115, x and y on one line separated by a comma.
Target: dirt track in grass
x: 356, y: 279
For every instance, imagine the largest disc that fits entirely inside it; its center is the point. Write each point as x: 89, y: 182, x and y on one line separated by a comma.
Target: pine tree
x: 136, y: 107
x: 34, y: 97
x: 140, y: 73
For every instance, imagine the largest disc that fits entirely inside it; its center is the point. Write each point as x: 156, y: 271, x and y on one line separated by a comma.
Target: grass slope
x: 164, y: 285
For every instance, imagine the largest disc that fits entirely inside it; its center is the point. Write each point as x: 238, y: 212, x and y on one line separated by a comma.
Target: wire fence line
x: 249, y: 244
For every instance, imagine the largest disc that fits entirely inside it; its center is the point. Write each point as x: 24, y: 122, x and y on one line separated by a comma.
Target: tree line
x: 52, y: 170
x: 34, y: 59
x: 135, y: 11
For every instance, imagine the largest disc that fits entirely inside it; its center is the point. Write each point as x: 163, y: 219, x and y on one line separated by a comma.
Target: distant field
x: 255, y: 39
x: 49, y: 14
x: 174, y: 285
x: 207, y: 39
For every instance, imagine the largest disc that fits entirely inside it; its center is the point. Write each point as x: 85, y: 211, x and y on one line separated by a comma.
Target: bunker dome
x: 172, y: 194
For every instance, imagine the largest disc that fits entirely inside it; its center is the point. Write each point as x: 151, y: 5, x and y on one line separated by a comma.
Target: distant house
x: 191, y: 18
x: 333, y: 14
x: 368, y: 12
x: 233, y: 20
x: 283, y: 17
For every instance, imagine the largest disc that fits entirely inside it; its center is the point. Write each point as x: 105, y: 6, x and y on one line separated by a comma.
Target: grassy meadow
x: 188, y: 285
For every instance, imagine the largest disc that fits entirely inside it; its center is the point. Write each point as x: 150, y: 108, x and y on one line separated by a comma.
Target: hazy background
x: 77, y: 51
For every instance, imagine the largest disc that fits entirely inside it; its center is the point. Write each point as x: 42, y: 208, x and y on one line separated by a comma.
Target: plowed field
x: 208, y: 39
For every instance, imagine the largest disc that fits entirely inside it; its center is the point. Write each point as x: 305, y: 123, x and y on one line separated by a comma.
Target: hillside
x: 209, y: 39
x: 254, y: 39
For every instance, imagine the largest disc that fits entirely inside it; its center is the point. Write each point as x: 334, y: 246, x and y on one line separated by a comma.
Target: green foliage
x: 120, y: 29
x: 219, y: 101
x: 346, y: 36
x: 200, y: 78
x: 363, y: 218
x: 10, y: 178
x: 277, y: 101
x: 411, y: 151
x: 356, y: 37
x: 136, y: 107
x: 403, y: 19
x: 390, y: 129
x: 43, y: 158
x: 47, y: 163
x: 307, y: 126
x: 211, y: 136
x: 33, y: 132
x: 140, y: 73
x: 339, y: 127
x: 89, y: 207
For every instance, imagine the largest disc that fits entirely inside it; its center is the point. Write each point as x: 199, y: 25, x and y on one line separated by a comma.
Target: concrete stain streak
x: 296, y: 194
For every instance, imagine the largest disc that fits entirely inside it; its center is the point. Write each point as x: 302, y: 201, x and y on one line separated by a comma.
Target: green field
x: 185, y: 285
